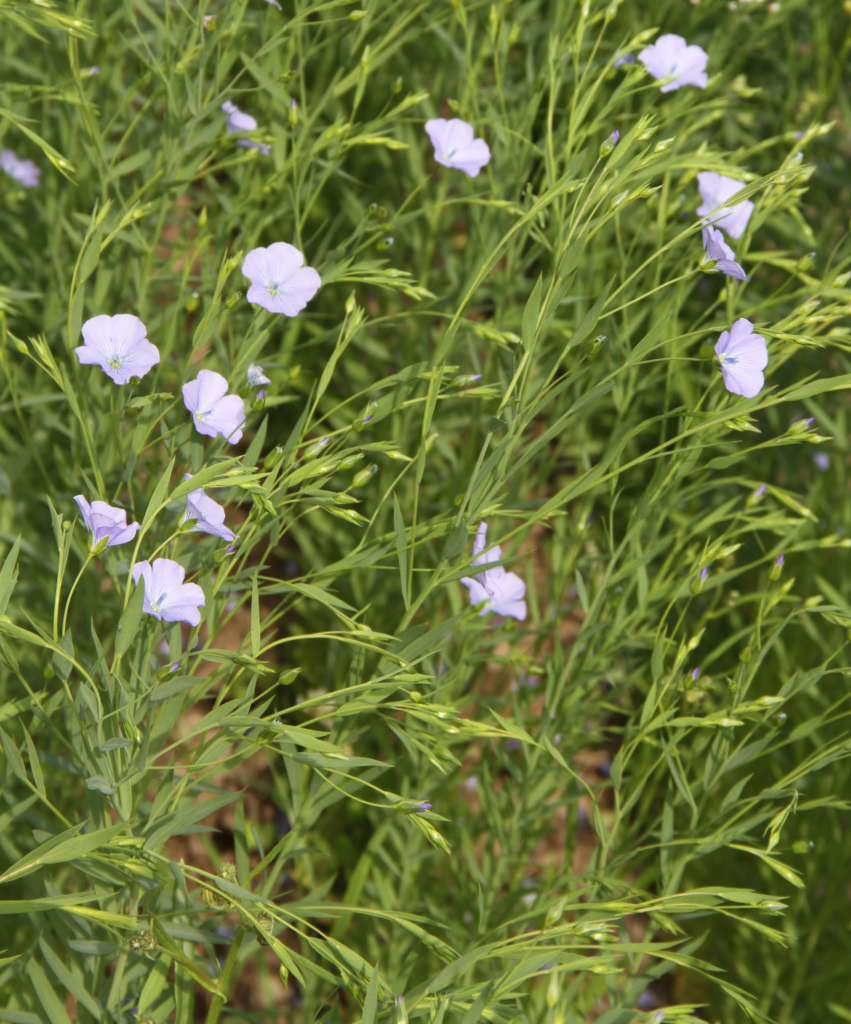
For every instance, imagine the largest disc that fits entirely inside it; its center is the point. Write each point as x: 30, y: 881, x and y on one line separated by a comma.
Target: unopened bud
x: 293, y: 115
x: 365, y: 475
x: 776, y: 569
x: 233, y: 300
x: 699, y: 581
x: 315, y: 448
x: 350, y: 461
x: 192, y: 302
x: 609, y: 143
x: 202, y: 217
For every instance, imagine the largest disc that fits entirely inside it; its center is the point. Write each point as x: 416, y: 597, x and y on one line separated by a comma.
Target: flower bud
x: 96, y: 549
x: 168, y: 671
x: 265, y: 924
x: 396, y: 88
x: 385, y: 243
x: 699, y: 581
x: 365, y: 475
x: 357, y: 15
x: 233, y: 300
x: 273, y: 458
x: 294, y: 372
x: 350, y: 461
x: 800, y: 426
x: 362, y: 420
x: 293, y: 115
x: 202, y: 217
x: 315, y: 448
x: 609, y: 143
x: 351, y: 304
x: 284, y: 975
x: 776, y: 569
x: 193, y: 300
x: 135, y: 380
x: 745, y: 656
x: 595, y: 345
x: 187, y: 526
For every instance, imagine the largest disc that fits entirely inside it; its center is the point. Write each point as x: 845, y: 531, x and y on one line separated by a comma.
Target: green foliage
x: 531, y: 348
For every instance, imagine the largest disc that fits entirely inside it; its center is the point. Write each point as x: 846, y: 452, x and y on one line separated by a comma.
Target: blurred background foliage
x: 627, y: 838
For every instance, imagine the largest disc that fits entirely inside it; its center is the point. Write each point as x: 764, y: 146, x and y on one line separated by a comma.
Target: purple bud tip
x: 398, y: 998
x: 779, y: 561
x: 261, y: 394
x: 175, y: 665
x: 704, y: 572
x: 695, y: 674
x: 761, y: 490
x: 424, y: 807
x: 797, y: 135
x: 294, y: 104
x: 231, y: 549
x: 625, y: 58
x: 809, y: 420
x: 95, y: 71
x: 476, y: 376
x: 366, y: 419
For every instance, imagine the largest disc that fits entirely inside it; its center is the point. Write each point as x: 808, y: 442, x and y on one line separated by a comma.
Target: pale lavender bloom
x: 716, y: 189
x: 256, y: 377
x: 743, y: 356
x: 454, y: 145
x: 503, y: 591
x: 167, y: 597
x: 624, y: 58
x: 671, y: 57
x: 718, y: 250
x: 105, y: 522
x: 24, y: 172
x: 118, y: 344
x: 822, y: 461
x: 238, y: 122
x: 215, y: 412
x: 279, y: 281
x: 209, y: 515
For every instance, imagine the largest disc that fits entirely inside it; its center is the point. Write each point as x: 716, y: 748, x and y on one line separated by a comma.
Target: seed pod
x: 265, y: 924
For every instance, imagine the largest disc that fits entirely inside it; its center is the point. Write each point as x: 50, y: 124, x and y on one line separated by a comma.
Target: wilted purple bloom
x: 454, y: 145
x: 104, y: 521
x: 822, y: 461
x: 214, y: 411
x: 503, y: 591
x: 716, y: 189
x: 695, y: 675
x: 704, y: 572
x: 209, y: 515
x: 167, y: 597
x: 279, y: 281
x: 718, y: 250
x: 256, y: 377
x: 238, y: 122
x: 743, y: 356
x: 118, y: 344
x: 24, y: 172
x: 671, y: 57
x: 624, y: 58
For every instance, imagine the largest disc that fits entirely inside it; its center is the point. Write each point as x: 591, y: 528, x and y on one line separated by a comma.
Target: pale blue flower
x: 238, y: 122
x: 25, y: 172
x: 502, y: 591
x: 454, y: 145
x: 743, y: 356
x: 209, y: 515
x: 167, y: 597
x: 256, y: 377
x: 725, y: 259
x: 670, y: 57
x: 716, y: 189
x: 279, y: 281
x: 118, y: 344
x: 105, y: 523
x: 214, y: 411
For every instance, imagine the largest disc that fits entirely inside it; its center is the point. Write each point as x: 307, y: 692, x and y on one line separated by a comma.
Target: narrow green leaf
x: 50, y: 1001
x: 128, y: 625
x: 531, y: 313
x: 401, y: 548
x: 158, y: 497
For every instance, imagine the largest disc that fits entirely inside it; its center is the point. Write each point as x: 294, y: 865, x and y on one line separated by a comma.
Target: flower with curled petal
x: 167, y: 597
x: 238, y: 122
x: 454, y: 145
x: 670, y: 57
x: 107, y: 525
x: 118, y: 345
x: 214, y: 412
x: 715, y: 190
x: 725, y: 259
x: 256, y: 377
x: 208, y: 515
x: 743, y: 356
x: 279, y: 280
x: 502, y: 591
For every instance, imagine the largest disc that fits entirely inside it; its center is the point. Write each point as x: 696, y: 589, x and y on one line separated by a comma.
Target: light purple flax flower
x: 105, y: 523
x: 743, y: 356
x: 209, y: 515
x: 671, y: 57
x: 822, y: 461
x: 503, y: 591
x: 118, y: 344
x: 256, y: 377
x: 238, y: 122
x: 25, y: 172
x: 716, y: 189
x: 167, y: 597
x: 725, y: 259
x: 279, y: 281
x: 214, y: 411
x: 454, y: 145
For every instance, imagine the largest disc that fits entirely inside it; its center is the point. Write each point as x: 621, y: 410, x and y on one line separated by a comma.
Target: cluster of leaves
x: 338, y: 665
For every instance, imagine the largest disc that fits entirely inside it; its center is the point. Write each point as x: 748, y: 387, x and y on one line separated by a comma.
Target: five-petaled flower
x: 239, y: 122
x: 256, y: 377
x: 743, y: 356
x: 454, y: 145
x: 670, y: 57
x: 279, y: 281
x: 718, y: 250
x: 118, y: 344
x: 167, y: 597
x: 715, y: 190
x: 208, y: 515
x: 503, y: 591
x: 23, y: 171
x: 107, y: 525
x: 214, y: 411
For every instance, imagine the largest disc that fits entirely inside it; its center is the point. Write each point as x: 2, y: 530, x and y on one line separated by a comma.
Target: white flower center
x: 115, y: 362
x: 274, y: 288
x: 726, y: 360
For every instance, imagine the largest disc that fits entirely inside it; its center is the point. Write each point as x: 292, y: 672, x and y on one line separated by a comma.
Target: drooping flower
x: 209, y: 515
x: 725, y: 259
x: 743, y: 356
x: 214, y: 412
x: 716, y: 189
x: 503, y: 591
x: 105, y: 523
x: 167, y: 597
x: 454, y: 145
x: 671, y: 57
x: 238, y: 122
x: 279, y: 281
x: 624, y: 58
x: 25, y: 172
x: 118, y: 344
x: 256, y: 377
x: 274, y: 3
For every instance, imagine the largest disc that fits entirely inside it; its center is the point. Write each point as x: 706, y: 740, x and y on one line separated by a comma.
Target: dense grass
x: 611, y: 838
